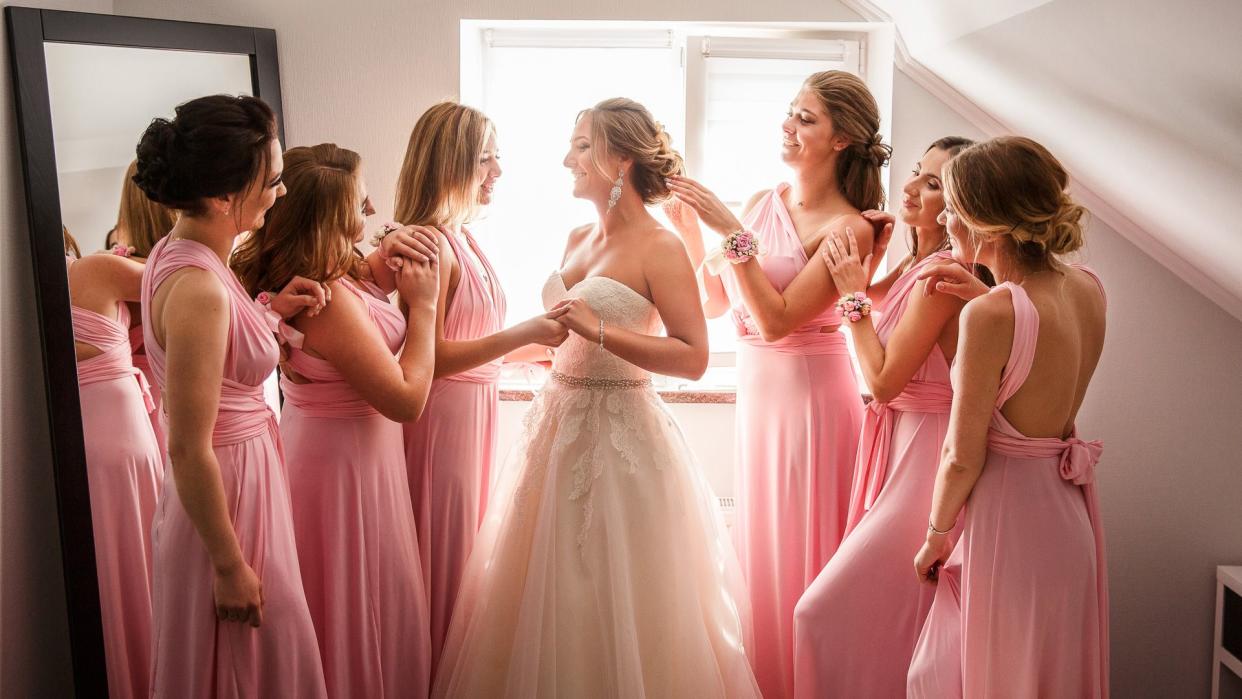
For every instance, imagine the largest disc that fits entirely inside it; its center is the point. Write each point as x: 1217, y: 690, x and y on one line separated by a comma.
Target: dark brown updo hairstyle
x: 856, y: 116
x: 624, y: 128
x: 951, y: 145
x: 213, y: 147
x: 1011, y: 189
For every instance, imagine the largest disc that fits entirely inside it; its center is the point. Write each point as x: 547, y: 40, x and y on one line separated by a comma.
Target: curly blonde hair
x: 624, y: 128
x: 1011, y: 188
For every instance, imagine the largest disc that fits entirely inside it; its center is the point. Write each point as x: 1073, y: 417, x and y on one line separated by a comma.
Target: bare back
x: 1071, y: 308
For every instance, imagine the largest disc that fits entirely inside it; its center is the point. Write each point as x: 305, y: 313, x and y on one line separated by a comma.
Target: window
x: 718, y: 90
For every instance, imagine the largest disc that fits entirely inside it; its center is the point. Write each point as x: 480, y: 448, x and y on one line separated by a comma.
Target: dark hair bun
x: 214, y: 146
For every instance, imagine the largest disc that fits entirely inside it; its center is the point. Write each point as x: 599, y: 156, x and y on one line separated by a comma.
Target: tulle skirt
x: 603, y: 568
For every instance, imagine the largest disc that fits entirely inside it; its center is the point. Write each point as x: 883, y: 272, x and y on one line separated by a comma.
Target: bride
x: 602, y: 568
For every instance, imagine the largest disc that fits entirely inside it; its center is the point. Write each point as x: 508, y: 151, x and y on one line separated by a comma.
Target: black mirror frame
x: 28, y: 29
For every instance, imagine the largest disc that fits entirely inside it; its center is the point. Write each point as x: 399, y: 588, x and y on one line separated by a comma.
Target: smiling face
x: 589, y: 182
x: 365, y: 209
x: 923, y: 193
x: 248, y: 209
x: 488, y: 169
x: 809, y: 137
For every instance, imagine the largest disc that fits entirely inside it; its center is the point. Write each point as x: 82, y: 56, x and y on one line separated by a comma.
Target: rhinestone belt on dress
x: 593, y: 382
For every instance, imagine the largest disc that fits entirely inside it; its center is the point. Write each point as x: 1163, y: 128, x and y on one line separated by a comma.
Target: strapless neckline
x: 584, y: 280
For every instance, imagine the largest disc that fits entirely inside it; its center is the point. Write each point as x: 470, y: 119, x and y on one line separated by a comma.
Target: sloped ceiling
x: 1142, y: 101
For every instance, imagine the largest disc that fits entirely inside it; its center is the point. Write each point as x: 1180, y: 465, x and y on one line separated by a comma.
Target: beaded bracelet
x: 854, y: 307
x: 739, y: 246
x: 601, y: 333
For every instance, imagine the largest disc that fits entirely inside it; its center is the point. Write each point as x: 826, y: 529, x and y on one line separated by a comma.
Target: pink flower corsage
x: 377, y: 238
x: 122, y: 251
x: 854, y: 307
x: 285, y: 333
x: 739, y: 246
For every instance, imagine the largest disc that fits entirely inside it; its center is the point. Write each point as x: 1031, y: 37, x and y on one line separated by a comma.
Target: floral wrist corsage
x: 854, y: 307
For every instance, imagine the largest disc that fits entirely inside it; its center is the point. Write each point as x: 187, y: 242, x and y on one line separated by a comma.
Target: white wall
x: 1166, y: 401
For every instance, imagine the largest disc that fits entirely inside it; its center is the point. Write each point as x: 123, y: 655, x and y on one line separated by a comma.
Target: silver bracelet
x: 601, y: 333
x: 932, y: 528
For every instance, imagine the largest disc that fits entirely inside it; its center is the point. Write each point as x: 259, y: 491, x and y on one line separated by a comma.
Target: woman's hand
x: 578, y: 316
x: 301, y: 294
x: 840, y: 254
x: 238, y: 595
x: 544, y: 330
x: 683, y: 218
x: 703, y: 202
x: 950, y: 277
x: 418, y: 282
x: 417, y: 243
x: 930, y: 558
x: 883, y: 222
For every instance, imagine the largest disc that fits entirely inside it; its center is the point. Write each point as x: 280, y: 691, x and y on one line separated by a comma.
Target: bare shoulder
x: 104, y: 264
x: 664, y: 247
x: 989, y: 313
x: 344, y: 306
x: 863, y: 230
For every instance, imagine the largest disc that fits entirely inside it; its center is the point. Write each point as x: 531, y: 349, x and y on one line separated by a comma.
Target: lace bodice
x: 619, y: 306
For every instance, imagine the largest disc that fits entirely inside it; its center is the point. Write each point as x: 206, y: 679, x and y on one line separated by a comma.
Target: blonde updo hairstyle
x: 436, y: 186
x: 856, y: 116
x: 1011, y: 189
x: 624, y: 128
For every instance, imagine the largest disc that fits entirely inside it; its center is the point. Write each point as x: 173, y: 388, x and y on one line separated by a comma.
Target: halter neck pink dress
x: 857, y: 623
x: 357, y: 543
x: 1021, y: 605
x: 450, y: 449
x: 123, y: 469
x: 195, y: 654
x: 798, y: 415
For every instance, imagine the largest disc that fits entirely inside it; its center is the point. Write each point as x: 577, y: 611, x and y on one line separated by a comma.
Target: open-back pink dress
x: 451, y: 448
x: 357, y: 542
x: 798, y: 415
x: 1021, y: 605
x: 857, y: 623
x: 123, y: 469
x: 196, y: 655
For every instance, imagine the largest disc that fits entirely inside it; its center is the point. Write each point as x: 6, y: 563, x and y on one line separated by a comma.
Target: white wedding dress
x: 603, y: 568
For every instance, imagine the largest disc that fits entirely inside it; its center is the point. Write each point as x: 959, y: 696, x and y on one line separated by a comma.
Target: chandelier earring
x: 615, y: 195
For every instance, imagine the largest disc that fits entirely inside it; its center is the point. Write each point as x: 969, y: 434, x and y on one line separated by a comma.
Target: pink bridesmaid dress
x: 451, y: 448
x: 798, y: 415
x: 195, y: 654
x: 136, y: 343
x: 1021, y: 605
x: 357, y: 542
x: 857, y: 623
x: 123, y: 467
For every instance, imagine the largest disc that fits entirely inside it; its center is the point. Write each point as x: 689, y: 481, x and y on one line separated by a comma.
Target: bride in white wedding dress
x: 603, y: 568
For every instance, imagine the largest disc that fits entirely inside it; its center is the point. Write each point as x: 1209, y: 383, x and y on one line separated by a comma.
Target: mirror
x: 86, y: 87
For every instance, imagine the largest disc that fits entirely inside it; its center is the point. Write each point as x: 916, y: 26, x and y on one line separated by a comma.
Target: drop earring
x: 615, y: 195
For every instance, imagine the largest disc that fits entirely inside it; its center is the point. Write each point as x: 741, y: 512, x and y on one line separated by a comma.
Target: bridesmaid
x: 140, y: 224
x: 856, y: 625
x: 354, y: 372
x: 230, y: 617
x: 1021, y: 603
x: 451, y: 166
x: 123, y: 460
x: 798, y: 403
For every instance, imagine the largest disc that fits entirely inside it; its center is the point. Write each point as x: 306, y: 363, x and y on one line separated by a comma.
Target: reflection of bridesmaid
x: 856, y: 625
x: 1021, y: 601
x: 140, y: 224
x: 358, y: 368
x: 451, y: 166
x: 123, y: 461
x: 798, y: 404
x: 230, y: 614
